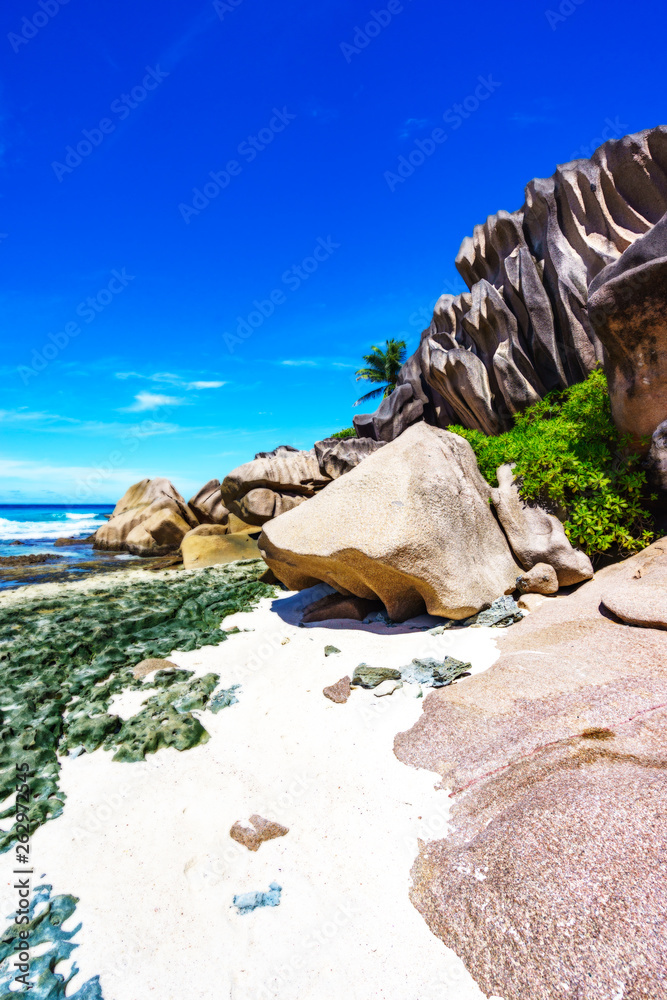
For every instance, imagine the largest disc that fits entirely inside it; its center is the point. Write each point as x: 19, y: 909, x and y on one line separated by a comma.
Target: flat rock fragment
x: 338, y: 692
x: 372, y: 677
x: 264, y: 829
x: 246, y: 902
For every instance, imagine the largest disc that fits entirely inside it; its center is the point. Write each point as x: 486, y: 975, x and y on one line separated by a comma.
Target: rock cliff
x: 523, y: 328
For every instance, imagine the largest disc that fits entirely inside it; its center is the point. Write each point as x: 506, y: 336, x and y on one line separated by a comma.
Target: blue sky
x: 202, y: 220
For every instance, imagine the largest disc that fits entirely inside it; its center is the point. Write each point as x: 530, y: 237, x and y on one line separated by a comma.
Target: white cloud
x: 206, y: 385
x: 31, y: 416
x: 151, y: 401
x: 301, y: 363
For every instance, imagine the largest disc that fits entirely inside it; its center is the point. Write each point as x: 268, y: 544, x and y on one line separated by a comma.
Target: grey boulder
x: 535, y: 536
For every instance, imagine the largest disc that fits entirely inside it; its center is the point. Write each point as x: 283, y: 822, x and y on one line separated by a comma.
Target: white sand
x: 146, y: 847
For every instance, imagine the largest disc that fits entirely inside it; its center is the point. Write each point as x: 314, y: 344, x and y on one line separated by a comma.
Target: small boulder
x: 642, y: 604
x: 212, y: 545
x: 535, y: 536
x: 530, y: 602
x: 331, y: 650
x: 338, y: 692
x: 541, y: 579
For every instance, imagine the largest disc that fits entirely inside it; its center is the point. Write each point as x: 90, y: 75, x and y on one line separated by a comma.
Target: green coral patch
x: 64, y: 658
x: 45, y: 927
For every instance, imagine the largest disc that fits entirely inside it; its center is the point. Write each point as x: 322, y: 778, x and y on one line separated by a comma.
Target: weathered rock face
x: 335, y: 457
x: 138, y: 504
x: 551, y: 881
x: 285, y: 472
x: 411, y: 525
x: 211, y: 545
x: 535, y: 536
x: 261, y: 505
x: 207, y: 505
x: 627, y: 305
x: 158, y: 534
x: 656, y: 460
x: 523, y: 327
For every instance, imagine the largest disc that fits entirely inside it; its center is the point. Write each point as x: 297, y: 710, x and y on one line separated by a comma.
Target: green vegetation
x: 570, y: 457
x: 383, y: 368
x: 63, y: 659
x: 347, y: 432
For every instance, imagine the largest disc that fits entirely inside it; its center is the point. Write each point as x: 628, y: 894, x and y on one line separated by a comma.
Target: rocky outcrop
x: 335, y: 457
x: 141, y: 502
x: 261, y: 505
x: 656, y: 460
x: 551, y: 880
x: 627, y: 305
x: 411, y: 525
x: 286, y: 473
x: 157, y: 535
x: 212, y: 545
x: 207, y: 505
x: 523, y: 327
x: 535, y: 536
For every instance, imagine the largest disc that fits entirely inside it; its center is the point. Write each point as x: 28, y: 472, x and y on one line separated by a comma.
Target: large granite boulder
x: 285, y: 472
x: 523, y: 327
x: 550, y: 882
x: 412, y: 525
x: 627, y: 305
x: 212, y: 545
x: 207, y: 505
x: 139, y: 503
x: 158, y: 534
x: 535, y: 536
x: 336, y: 456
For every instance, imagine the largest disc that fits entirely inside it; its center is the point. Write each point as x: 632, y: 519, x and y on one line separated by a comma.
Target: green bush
x: 570, y: 457
x: 347, y: 432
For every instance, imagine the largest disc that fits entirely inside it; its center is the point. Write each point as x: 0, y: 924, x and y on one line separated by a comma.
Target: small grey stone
x: 372, y: 677
x: 330, y: 650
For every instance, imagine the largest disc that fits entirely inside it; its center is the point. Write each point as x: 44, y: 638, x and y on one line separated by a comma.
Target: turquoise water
x: 38, y: 525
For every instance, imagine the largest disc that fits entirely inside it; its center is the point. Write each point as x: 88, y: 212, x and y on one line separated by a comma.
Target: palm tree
x: 383, y: 366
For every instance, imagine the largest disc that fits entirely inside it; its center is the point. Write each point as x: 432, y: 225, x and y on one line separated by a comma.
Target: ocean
x: 37, y: 526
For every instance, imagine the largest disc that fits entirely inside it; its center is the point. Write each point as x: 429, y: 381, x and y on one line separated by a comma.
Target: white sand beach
x: 146, y: 847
